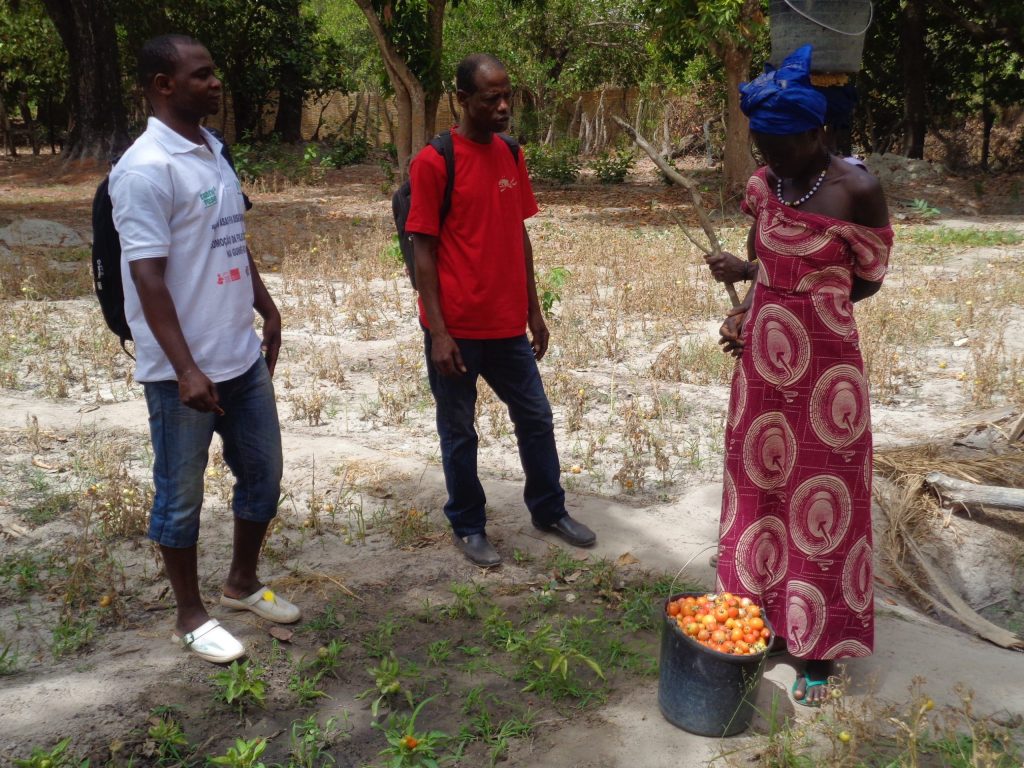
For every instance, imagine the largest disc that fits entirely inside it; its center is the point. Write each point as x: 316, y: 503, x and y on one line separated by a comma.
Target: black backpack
x: 106, y: 253
x: 401, y: 201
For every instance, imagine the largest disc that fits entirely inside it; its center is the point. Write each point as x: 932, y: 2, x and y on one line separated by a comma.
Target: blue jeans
x: 509, y: 367
x: 181, y: 445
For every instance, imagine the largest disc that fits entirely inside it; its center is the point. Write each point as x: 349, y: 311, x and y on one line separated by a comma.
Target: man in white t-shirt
x: 190, y: 289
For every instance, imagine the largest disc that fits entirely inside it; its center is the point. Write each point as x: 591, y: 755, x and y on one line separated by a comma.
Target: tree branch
x: 691, y: 186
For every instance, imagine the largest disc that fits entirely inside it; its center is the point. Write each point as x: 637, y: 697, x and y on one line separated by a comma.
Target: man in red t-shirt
x: 476, y: 296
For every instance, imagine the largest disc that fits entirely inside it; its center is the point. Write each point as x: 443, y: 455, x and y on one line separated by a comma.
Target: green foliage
x: 922, y: 208
x: 559, y: 164
x: 550, y: 289
x: 241, y: 684
x: 342, y: 151
x: 244, y: 754
x: 55, y: 757
x: 387, y: 677
x: 311, y: 745
x: 71, y: 634
x: 8, y: 659
x: 439, y: 651
x: 967, y: 236
x: 33, y: 63
x: 407, y: 747
x: 465, y: 602
x: 169, y: 741
x: 613, y: 167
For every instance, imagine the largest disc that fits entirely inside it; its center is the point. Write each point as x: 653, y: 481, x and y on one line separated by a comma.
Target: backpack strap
x: 442, y: 144
x: 513, y: 147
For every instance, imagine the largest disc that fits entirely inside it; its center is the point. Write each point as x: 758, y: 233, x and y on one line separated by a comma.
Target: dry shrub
x: 46, y: 273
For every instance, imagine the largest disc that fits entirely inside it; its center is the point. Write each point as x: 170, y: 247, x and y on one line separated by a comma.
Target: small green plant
x: 559, y: 164
x: 921, y: 207
x: 328, y: 659
x: 613, y: 167
x: 465, y: 603
x: 170, y: 743
x: 327, y: 621
x: 8, y: 659
x: 306, y: 689
x: 392, y: 254
x: 311, y: 744
x: 241, y: 684
x: 244, y: 754
x: 387, y: 684
x: 439, y: 651
x: 551, y: 283
x: 72, y: 634
x: 55, y: 757
x: 407, y: 747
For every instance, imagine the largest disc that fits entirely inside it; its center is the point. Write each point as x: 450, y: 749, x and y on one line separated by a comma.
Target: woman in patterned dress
x: 795, y: 531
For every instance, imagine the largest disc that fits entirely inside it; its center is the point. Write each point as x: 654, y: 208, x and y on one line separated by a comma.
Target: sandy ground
x: 101, y: 694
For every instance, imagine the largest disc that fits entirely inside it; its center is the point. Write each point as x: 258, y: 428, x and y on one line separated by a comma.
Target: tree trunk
x: 5, y: 128
x: 912, y: 42
x: 99, y: 124
x: 739, y: 165
x: 410, y: 100
x: 288, y: 123
x: 30, y: 124
x: 988, y: 119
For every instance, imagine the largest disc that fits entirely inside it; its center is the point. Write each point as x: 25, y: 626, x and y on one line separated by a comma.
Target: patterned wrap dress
x: 795, y: 532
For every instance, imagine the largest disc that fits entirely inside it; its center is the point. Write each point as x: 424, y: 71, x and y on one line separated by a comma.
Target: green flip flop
x: 809, y: 683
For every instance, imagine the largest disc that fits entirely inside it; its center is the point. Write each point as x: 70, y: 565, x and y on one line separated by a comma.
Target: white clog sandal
x: 211, y: 642
x: 264, y: 603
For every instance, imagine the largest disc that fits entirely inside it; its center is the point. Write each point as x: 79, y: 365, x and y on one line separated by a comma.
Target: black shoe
x: 572, y: 531
x: 478, y: 549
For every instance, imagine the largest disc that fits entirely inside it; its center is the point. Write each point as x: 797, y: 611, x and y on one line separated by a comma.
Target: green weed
x: 969, y: 236
x: 388, y: 684
x: 241, y: 685
x: 407, y: 747
x: 55, y: 757
x: 71, y: 634
x: 244, y: 754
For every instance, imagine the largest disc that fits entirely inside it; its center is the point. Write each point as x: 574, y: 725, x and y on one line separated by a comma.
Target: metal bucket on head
x: 836, y: 29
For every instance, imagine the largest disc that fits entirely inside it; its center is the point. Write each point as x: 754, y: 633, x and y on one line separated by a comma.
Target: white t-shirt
x: 181, y: 201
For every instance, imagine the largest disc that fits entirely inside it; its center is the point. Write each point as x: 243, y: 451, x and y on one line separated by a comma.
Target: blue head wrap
x: 782, y: 101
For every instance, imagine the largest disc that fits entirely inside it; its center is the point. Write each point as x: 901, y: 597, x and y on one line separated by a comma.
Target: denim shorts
x: 181, y: 437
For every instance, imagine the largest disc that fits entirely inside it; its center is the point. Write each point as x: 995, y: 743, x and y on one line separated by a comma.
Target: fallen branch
x: 950, y: 490
x: 948, y: 602
x: 698, y: 203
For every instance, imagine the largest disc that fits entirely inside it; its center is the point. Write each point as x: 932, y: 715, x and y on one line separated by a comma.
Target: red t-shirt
x: 481, y: 264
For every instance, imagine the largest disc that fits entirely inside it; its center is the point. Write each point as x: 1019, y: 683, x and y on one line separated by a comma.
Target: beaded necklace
x: 813, y: 189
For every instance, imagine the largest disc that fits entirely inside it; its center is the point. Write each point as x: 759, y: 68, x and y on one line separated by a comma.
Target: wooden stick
x: 692, y: 187
x: 952, y: 491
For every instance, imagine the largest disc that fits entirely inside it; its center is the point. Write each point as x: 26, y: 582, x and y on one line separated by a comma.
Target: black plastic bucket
x: 703, y: 691
x: 835, y: 28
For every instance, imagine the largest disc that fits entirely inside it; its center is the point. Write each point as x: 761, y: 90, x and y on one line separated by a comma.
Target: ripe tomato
x: 737, y: 634
x: 766, y: 633
x: 673, y: 609
x: 742, y: 646
x: 750, y: 638
x: 703, y: 635
x: 721, y: 614
x: 757, y: 623
x: 733, y: 612
x: 718, y: 636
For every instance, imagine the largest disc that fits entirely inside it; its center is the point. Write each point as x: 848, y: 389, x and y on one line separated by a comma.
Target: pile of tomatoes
x: 724, y: 623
